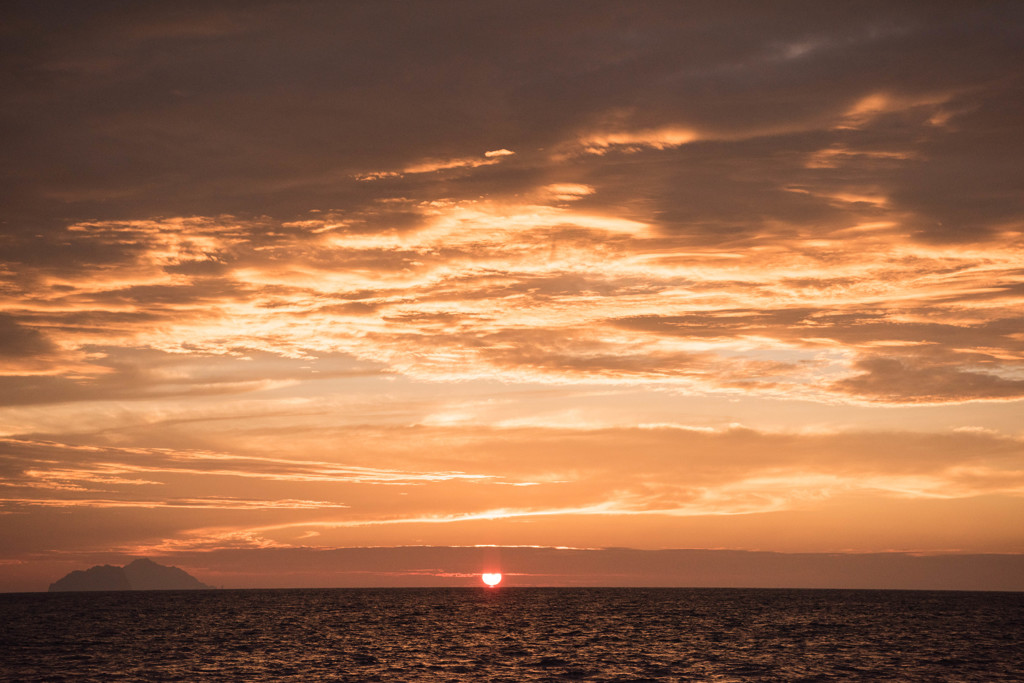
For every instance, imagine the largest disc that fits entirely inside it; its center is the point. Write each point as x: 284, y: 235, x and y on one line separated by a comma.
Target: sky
x: 307, y: 276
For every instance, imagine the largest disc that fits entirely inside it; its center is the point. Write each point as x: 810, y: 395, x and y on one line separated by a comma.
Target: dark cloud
x: 864, y: 327
x: 116, y: 112
x: 893, y: 380
x: 124, y: 375
x: 19, y: 341
x: 545, y: 566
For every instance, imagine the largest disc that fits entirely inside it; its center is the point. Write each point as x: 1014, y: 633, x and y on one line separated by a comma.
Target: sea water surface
x: 513, y: 634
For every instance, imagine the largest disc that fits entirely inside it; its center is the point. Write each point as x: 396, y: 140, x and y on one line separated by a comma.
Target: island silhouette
x: 142, y: 574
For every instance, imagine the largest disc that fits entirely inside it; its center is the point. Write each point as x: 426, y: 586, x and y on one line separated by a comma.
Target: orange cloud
x: 635, y: 140
x: 583, y: 297
x: 433, y: 165
x: 575, y: 479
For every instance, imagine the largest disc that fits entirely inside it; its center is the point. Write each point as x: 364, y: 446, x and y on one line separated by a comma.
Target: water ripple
x: 513, y: 634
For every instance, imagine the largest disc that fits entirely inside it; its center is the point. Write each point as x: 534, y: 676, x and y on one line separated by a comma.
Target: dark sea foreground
x: 513, y: 634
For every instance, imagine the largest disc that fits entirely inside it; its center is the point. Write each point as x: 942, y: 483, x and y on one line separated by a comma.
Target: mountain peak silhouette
x: 142, y: 574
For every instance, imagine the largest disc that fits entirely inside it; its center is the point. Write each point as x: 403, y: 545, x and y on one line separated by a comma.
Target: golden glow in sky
x: 630, y: 279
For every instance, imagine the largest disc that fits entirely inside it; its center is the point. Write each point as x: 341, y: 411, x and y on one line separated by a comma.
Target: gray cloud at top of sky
x: 129, y: 111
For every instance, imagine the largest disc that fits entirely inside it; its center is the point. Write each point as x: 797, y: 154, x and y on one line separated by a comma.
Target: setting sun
x: 491, y: 579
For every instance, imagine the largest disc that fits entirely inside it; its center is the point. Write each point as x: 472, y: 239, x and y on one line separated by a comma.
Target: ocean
x: 513, y: 634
